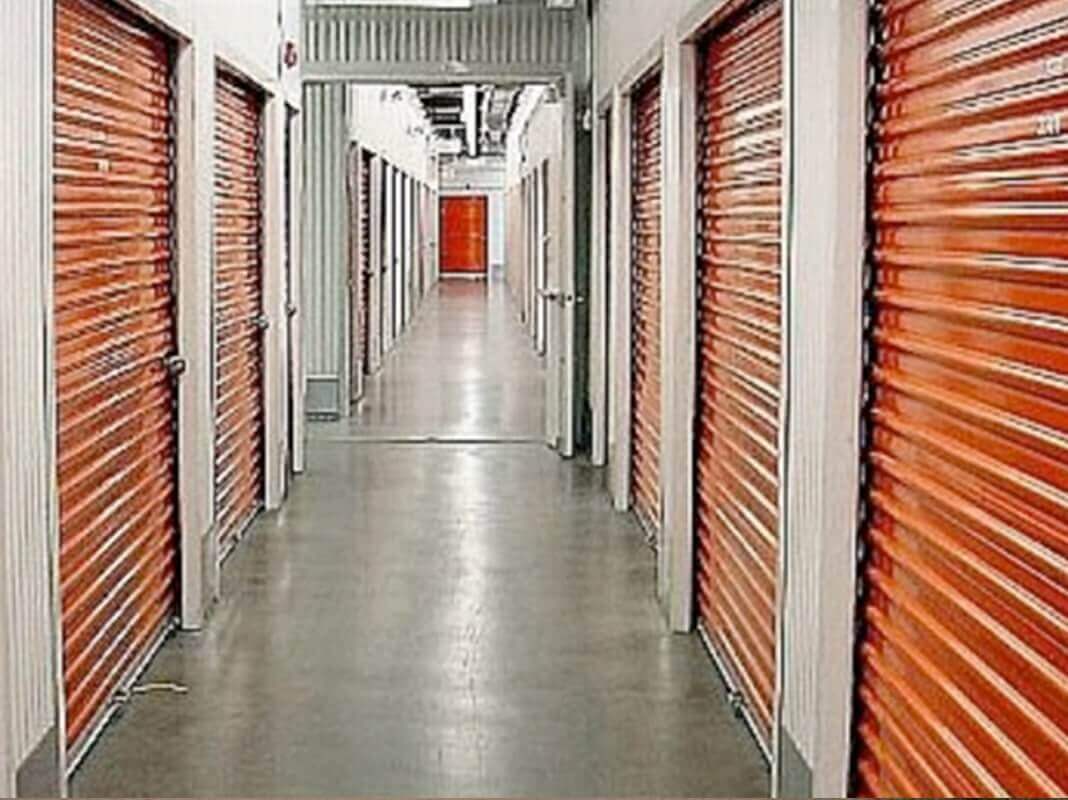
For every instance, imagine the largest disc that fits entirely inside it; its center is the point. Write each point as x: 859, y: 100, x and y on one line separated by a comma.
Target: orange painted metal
x: 646, y: 198
x: 366, y: 272
x: 239, y: 425
x: 963, y: 660
x: 739, y: 348
x: 464, y: 234
x: 358, y: 252
x: 115, y: 327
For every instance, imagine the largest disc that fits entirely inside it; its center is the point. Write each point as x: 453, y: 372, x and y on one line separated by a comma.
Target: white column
x: 296, y: 261
x: 678, y: 326
x: 620, y: 355
x: 275, y: 342
x: 599, y: 334
x: 824, y: 323
x: 196, y: 268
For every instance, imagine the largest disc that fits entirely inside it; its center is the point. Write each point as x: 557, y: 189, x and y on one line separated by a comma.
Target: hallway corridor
x: 444, y: 608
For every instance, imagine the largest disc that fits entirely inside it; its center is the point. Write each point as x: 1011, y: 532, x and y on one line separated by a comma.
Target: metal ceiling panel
x: 508, y: 37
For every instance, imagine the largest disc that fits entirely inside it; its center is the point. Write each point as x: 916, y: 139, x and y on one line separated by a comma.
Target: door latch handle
x: 291, y: 310
x: 175, y: 365
x: 262, y: 322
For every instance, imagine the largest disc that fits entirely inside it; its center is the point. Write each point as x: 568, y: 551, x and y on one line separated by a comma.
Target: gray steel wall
x: 326, y: 138
x: 507, y: 36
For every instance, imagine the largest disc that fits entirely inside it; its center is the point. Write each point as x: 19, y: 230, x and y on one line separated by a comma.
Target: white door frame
x: 601, y: 263
x: 623, y: 261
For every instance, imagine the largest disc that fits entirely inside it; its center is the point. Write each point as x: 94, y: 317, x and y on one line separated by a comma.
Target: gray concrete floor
x: 436, y: 618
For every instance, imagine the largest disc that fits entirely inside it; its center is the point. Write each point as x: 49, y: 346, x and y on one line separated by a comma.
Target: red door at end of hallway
x: 646, y: 194
x: 464, y: 235
x: 115, y: 327
x: 739, y: 342
x: 963, y: 657
x: 239, y: 317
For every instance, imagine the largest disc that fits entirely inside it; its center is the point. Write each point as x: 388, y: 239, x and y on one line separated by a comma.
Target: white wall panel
x: 388, y: 120
x: 254, y: 30
x: 26, y: 530
x: 625, y: 30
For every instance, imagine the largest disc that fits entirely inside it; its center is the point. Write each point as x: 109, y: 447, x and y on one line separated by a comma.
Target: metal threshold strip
x: 428, y: 440
x: 735, y: 697
x: 125, y: 688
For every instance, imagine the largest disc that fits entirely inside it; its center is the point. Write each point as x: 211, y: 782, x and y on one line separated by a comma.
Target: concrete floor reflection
x: 437, y: 620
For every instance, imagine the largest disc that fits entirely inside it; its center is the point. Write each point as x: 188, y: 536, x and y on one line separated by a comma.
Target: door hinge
x: 291, y: 310
x: 263, y: 322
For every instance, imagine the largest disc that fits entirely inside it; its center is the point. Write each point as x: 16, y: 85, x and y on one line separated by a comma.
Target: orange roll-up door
x: 115, y: 332
x: 963, y: 659
x: 464, y: 235
x: 646, y: 193
x: 739, y: 342
x: 239, y: 317
x: 366, y: 273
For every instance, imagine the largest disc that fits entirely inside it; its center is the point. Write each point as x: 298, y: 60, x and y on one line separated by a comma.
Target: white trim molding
x: 679, y: 326
x: 824, y: 391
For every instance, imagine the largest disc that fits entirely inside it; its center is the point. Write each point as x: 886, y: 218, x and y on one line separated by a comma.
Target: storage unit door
x: 115, y: 331
x: 366, y: 274
x: 464, y: 235
x: 646, y: 193
x: 739, y: 322
x: 239, y: 318
x: 963, y: 661
x: 355, y: 273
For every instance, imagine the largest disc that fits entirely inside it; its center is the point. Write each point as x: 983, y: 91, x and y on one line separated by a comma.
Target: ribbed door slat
x: 646, y: 197
x: 463, y: 233
x: 115, y: 326
x: 365, y: 257
x: 239, y: 429
x: 358, y: 250
x: 739, y: 345
x: 963, y: 660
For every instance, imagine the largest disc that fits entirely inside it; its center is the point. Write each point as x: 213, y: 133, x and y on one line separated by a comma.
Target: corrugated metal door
x: 963, y: 662
x: 464, y: 234
x: 739, y: 339
x: 356, y: 234
x: 115, y: 331
x: 646, y: 193
x: 366, y: 270
x: 239, y: 317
